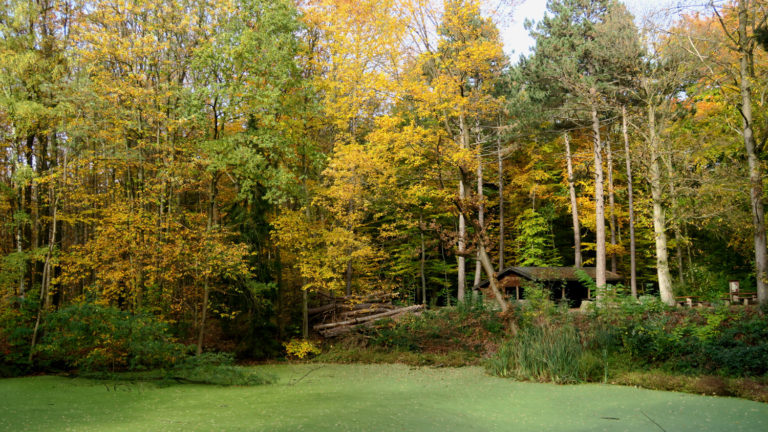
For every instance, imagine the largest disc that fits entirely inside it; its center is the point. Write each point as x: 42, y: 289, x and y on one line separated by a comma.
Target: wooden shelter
x: 562, y: 281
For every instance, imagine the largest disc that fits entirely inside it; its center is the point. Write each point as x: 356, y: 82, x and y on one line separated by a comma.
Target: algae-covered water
x: 314, y: 397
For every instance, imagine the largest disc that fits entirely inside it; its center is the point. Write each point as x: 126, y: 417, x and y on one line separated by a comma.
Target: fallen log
x: 366, y: 311
x: 364, y: 319
x: 321, y: 309
x: 344, y: 329
x: 353, y: 307
x: 337, y: 331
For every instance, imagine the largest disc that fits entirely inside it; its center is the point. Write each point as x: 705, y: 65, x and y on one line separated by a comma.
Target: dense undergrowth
x: 718, y: 350
x: 108, y: 343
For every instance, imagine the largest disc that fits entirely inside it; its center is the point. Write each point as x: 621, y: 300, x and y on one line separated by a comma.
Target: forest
x: 208, y: 171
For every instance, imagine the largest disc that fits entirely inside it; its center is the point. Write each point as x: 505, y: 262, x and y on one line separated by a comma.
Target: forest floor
x: 333, y: 397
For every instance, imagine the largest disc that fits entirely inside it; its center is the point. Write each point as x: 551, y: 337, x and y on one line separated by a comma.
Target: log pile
x: 343, y: 314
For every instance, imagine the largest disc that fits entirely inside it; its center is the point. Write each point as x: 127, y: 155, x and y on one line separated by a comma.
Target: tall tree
x: 738, y: 22
x: 630, y: 204
x: 576, y: 47
x: 459, y: 73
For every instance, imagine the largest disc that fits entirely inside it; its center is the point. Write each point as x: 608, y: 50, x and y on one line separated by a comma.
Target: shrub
x: 16, y: 320
x: 97, y: 338
x: 216, y: 369
x: 300, y: 348
x: 538, y: 307
x: 740, y: 349
x: 540, y: 353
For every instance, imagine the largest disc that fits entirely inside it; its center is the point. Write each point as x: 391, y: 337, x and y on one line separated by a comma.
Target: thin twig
x: 305, y: 375
x: 653, y: 421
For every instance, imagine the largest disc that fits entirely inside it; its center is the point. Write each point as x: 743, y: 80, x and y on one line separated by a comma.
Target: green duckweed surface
x: 314, y: 397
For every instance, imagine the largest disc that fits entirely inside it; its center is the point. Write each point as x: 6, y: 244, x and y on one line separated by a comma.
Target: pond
x: 319, y: 397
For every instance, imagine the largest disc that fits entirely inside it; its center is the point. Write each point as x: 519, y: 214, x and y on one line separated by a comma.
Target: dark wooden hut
x: 562, y: 281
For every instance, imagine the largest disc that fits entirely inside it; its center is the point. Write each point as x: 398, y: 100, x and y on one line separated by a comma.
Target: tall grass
x: 540, y: 353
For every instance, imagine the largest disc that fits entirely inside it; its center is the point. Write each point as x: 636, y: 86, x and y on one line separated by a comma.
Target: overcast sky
x: 516, y: 38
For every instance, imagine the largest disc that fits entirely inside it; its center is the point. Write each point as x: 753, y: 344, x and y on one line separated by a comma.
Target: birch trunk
x: 577, y: 260
x: 632, y: 259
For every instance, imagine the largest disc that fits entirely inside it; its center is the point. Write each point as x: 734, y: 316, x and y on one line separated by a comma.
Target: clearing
x: 336, y: 398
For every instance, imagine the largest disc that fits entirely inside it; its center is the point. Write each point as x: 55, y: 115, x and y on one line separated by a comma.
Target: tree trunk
x: 45, y: 290
x: 206, y: 288
x: 755, y: 170
x: 348, y: 279
x: 20, y: 246
x: 679, y: 253
x: 493, y: 282
x: 485, y: 260
x: 501, y: 203
x: 611, y: 204
x: 203, y: 316
x: 675, y: 218
x: 577, y: 260
x: 421, y: 264
x: 304, y: 314
x: 632, y: 259
x: 46, y: 282
x: 462, y: 270
x: 659, y: 219
x: 480, y: 212
x: 599, y: 204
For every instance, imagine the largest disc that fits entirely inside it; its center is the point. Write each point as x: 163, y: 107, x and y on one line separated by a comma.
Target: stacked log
x: 346, y: 313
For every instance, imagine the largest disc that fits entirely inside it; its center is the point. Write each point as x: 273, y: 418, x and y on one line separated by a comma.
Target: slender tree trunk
x: 45, y: 290
x: 480, y: 212
x: 280, y: 294
x: 421, y: 264
x: 679, y: 253
x: 304, y: 294
x: 46, y: 282
x: 632, y: 259
x: 203, y: 316
x: 675, y: 219
x: 599, y: 203
x: 462, y: 270
x: 348, y: 279
x: 206, y: 287
x: 20, y: 246
x: 501, y: 203
x: 611, y: 204
x: 688, y: 252
x: 304, y: 314
x: 659, y: 218
x: 577, y: 260
x: 755, y: 170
